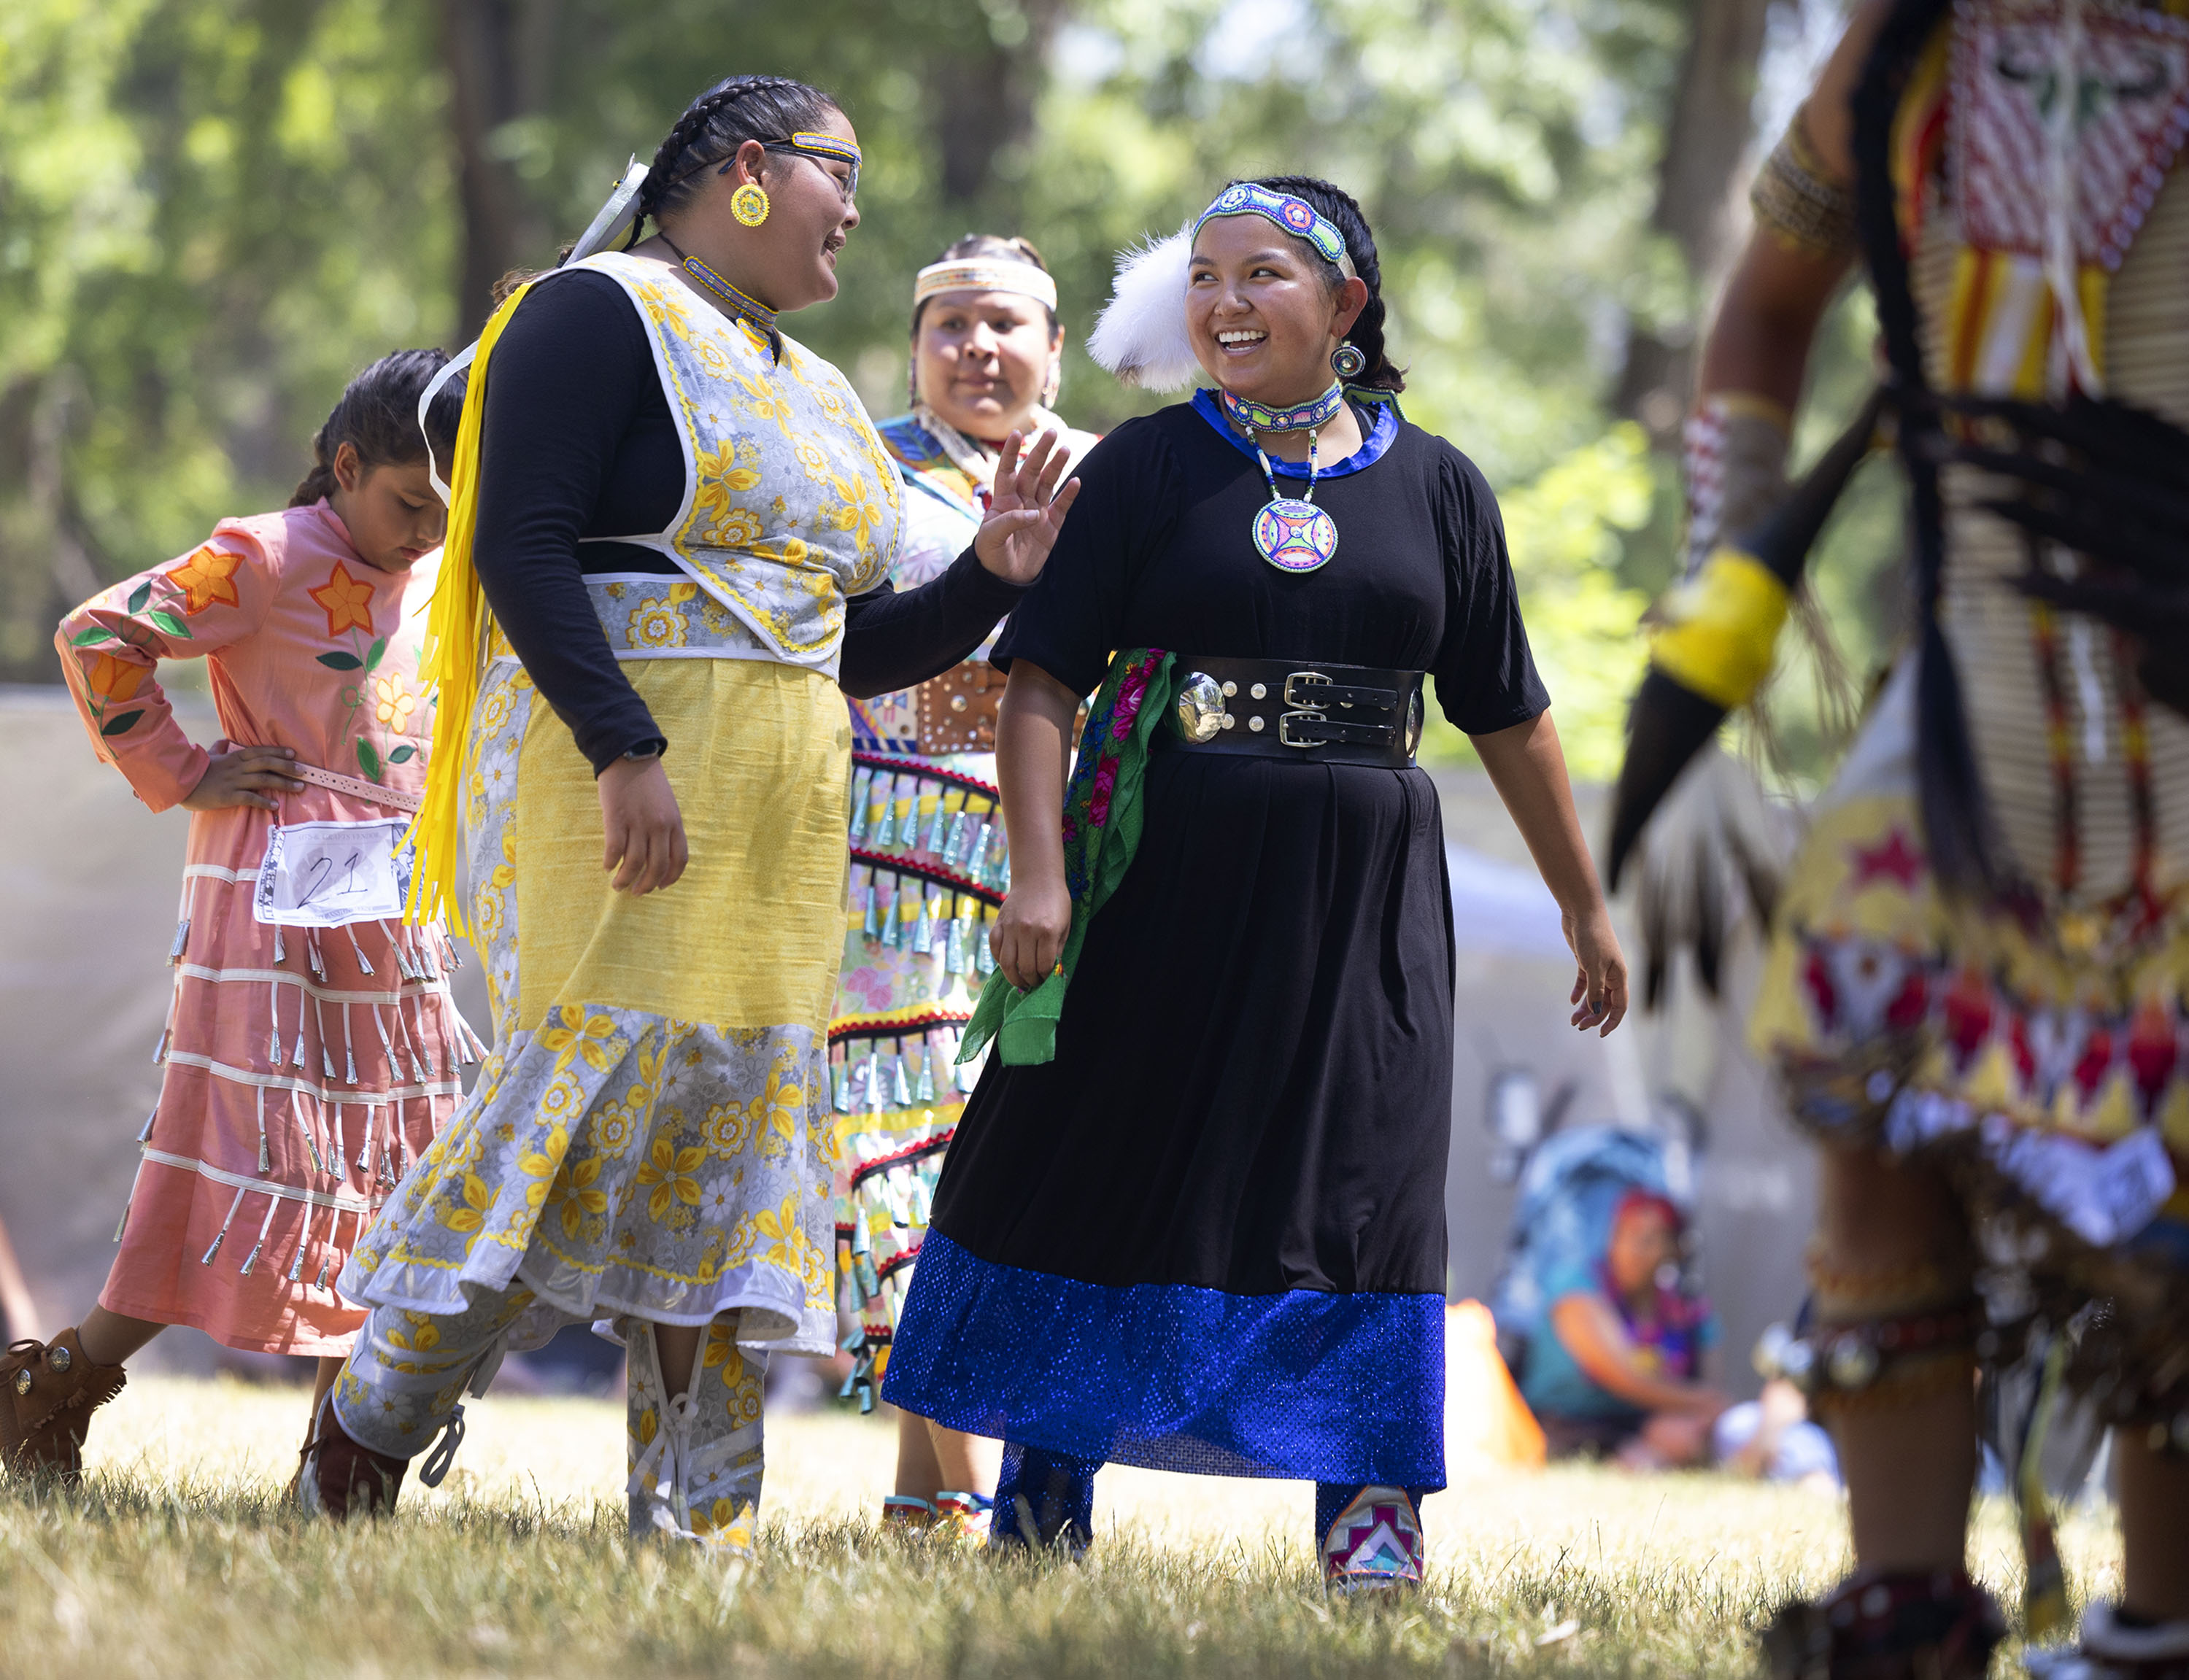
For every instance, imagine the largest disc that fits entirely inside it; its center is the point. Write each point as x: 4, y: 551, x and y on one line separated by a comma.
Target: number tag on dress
x: 323, y: 874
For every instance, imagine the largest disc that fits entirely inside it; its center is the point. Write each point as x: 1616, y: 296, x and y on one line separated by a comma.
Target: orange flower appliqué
x: 112, y: 679
x: 207, y: 578
x: 348, y: 600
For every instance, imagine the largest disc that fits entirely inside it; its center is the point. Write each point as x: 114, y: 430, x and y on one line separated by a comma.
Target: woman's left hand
x: 1600, y: 991
x: 1026, y: 509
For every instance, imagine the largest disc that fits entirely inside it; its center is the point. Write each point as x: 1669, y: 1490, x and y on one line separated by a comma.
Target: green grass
x: 178, y: 1558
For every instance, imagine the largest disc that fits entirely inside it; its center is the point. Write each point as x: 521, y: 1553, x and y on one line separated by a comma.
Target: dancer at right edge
x: 1973, y: 994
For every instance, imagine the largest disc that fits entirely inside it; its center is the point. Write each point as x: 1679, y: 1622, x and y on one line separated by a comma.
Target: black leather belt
x: 1316, y: 713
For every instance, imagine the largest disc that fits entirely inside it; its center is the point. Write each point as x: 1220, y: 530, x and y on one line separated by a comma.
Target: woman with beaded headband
x: 670, y: 539
x: 1193, y: 1218
x: 926, y: 834
x: 1975, y: 985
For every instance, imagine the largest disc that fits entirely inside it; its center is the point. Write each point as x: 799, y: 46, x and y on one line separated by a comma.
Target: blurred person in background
x: 312, y: 1049
x: 928, y: 856
x: 1620, y: 1370
x: 1193, y: 1216
x: 671, y: 534
x: 1977, y: 984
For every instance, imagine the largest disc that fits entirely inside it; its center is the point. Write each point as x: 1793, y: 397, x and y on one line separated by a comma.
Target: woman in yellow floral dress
x: 671, y: 530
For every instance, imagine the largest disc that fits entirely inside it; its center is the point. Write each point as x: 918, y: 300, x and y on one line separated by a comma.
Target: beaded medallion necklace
x: 1291, y: 533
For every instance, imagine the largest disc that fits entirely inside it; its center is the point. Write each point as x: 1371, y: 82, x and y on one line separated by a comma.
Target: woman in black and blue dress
x: 1193, y: 1217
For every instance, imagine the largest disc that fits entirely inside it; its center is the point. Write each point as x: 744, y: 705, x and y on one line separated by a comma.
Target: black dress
x: 1209, y: 1235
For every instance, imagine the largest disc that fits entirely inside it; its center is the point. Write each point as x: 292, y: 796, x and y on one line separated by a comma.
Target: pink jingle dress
x: 303, y: 1067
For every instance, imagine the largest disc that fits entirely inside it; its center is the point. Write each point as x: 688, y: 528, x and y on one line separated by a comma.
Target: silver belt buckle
x: 1301, y: 678
x: 1286, y: 721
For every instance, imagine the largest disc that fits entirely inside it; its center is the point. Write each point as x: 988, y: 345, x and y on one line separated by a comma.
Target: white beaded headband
x: 984, y: 275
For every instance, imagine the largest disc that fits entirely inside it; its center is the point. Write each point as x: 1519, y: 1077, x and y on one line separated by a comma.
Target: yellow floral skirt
x: 652, y: 1134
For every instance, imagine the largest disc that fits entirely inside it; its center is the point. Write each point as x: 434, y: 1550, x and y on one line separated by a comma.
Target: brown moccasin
x: 341, y: 1479
x: 48, y: 1393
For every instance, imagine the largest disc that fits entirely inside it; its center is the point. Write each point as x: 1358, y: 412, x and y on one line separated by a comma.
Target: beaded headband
x: 826, y: 145
x: 984, y: 275
x: 1296, y: 217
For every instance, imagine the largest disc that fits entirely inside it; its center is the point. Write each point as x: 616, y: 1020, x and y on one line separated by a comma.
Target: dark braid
x: 1957, y: 822
x: 1338, y: 206
x: 378, y: 417
x: 716, y: 124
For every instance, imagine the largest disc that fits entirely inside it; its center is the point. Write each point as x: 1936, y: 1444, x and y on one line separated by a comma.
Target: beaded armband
x: 1792, y: 198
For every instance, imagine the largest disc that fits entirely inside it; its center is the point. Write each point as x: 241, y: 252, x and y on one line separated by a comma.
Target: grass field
x: 179, y: 1559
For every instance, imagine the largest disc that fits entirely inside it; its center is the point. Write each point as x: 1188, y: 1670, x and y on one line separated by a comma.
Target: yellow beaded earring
x: 750, y: 205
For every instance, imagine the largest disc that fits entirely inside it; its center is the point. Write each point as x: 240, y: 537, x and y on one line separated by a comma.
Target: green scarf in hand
x: 1103, y: 811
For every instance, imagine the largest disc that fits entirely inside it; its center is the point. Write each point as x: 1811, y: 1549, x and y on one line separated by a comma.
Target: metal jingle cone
x: 925, y: 1090
x: 953, y: 843
x: 860, y: 784
x: 885, y: 831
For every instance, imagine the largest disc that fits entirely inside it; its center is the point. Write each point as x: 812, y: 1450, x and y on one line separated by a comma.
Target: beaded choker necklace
x: 732, y: 300
x: 1292, y: 532
x: 1252, y: 417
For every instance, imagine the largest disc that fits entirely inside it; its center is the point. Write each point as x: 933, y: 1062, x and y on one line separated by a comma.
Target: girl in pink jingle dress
x: 304, y: 1065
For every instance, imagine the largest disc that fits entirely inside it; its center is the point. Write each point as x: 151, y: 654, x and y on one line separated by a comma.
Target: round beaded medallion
x: 1295, y: 535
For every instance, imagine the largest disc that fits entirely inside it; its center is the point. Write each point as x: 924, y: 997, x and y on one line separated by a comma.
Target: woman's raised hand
x: 1026, y: 510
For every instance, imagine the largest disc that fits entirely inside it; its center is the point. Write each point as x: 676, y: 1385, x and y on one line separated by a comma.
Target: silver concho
x: 1414, y: 724
x: 1200, y: 710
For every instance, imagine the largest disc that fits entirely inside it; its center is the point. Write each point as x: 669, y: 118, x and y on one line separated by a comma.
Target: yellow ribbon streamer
x: 1716, y: 632
x: 450, y: 661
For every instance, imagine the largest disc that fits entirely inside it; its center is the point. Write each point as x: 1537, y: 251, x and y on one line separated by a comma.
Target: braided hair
x: 378, y: 417
x: 1338, y: 207
x: 1957, y: 822
x: 714, y: 125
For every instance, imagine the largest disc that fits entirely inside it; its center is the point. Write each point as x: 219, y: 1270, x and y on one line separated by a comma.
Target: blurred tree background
x: 211, y: 211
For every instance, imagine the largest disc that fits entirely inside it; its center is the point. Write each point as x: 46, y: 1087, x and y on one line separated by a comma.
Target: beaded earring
x: 750, y: 205
x: 1347, y: 361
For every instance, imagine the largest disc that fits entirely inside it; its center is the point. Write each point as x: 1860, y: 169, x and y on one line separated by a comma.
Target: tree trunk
x: 1704, y: 142
x: 498, y: 55
x: 984, y: 97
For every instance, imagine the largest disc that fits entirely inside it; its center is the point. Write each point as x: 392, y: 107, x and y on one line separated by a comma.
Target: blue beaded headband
x: 1297, y: 217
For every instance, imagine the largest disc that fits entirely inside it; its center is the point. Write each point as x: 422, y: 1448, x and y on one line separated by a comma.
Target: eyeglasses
x: 816, y: 147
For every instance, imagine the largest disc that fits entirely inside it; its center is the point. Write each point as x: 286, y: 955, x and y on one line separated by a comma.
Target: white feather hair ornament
x: 1140, y: 335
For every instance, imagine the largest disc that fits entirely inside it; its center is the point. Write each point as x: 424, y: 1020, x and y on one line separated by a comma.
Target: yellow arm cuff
x: 1716, y: 632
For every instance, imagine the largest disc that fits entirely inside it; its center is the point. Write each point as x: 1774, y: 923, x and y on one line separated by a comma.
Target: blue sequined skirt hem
x: 1301, y: 1384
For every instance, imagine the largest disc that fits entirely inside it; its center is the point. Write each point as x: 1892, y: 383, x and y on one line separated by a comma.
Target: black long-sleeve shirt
x: 578, y: 444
